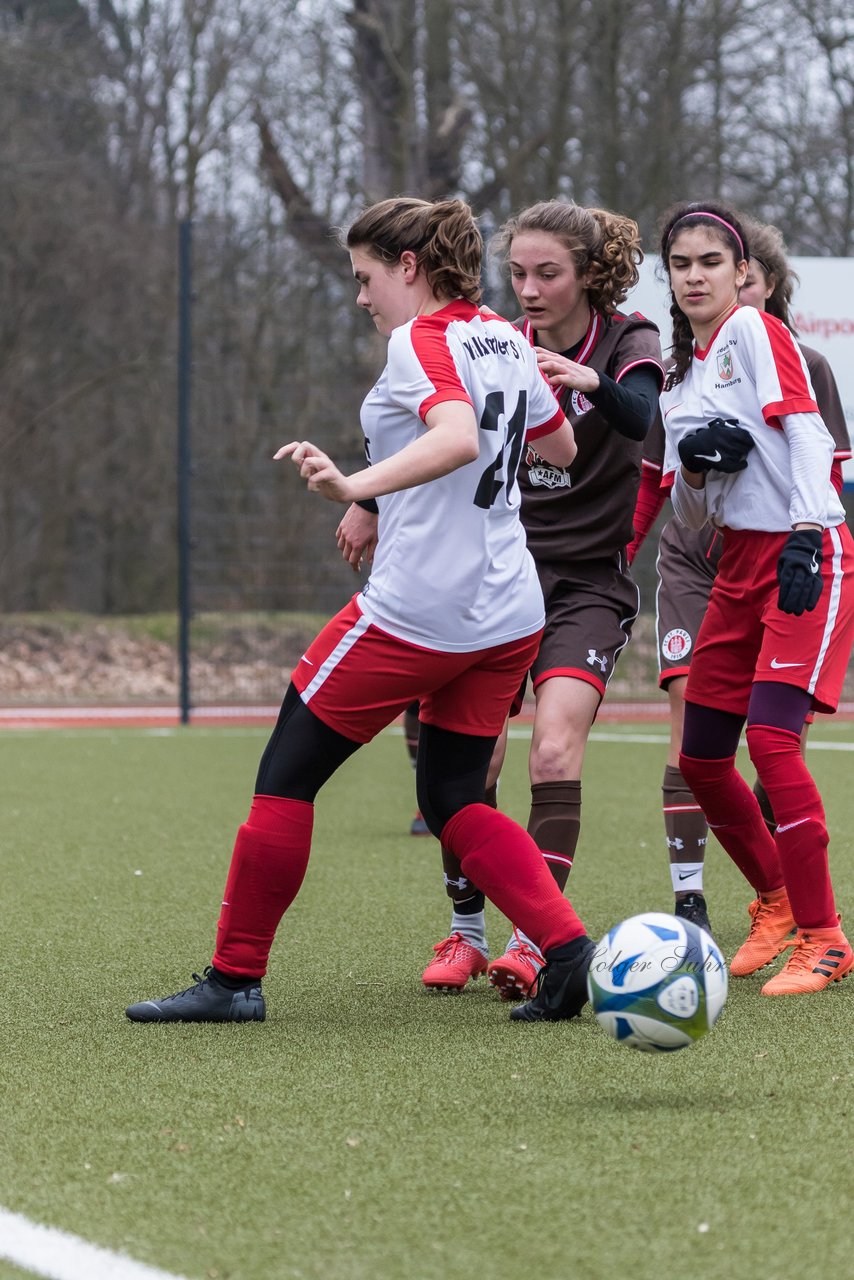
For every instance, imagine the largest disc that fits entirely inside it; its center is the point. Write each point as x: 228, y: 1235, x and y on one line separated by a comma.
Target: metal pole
x: 185, y: 243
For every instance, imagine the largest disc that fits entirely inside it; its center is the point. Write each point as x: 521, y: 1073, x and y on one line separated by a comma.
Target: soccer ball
x: 657, y: 982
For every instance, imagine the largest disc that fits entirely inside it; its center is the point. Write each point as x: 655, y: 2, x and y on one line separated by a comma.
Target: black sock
x: 470, y: 906
x: 233, y: 981
x: 569, y: 949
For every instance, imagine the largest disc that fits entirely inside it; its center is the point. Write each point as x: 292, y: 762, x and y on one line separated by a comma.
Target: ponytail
x: 443, y: 235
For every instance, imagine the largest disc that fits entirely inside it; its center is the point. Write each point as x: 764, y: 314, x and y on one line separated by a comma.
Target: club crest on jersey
x: 725, y: 368
x: 543, y: 474
x: 580, y: 403
x: 676, y: 645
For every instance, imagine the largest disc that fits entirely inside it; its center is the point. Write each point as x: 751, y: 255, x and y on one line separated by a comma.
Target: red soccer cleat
x: 514, y: 974
x: 456, y: 961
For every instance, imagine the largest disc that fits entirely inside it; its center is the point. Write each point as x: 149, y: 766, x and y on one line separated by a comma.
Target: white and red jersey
x: 452, y: 570
x: 753, y: 372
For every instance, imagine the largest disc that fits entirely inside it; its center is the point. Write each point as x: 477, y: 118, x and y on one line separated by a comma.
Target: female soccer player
x: 687, y: 563
x: 750, y: 454
x: 452, y: 614
x: 570, y: 268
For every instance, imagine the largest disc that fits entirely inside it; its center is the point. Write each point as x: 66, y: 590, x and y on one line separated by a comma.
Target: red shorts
x: 745, y: 638
x: 357, y: 679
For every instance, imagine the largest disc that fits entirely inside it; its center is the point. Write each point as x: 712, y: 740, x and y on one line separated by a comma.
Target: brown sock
x: 555, y: 823
x: 685, y: 826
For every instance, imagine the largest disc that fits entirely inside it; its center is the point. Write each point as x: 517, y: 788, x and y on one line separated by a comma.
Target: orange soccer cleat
x: 514, y: 974
x: 456, y: 961
x: 820, y: 956
x: 771, y: 924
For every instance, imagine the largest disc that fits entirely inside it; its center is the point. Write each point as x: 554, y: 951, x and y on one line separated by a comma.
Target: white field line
x: 523, y: 732
x: 660, y: 739
x: 45, y: 1251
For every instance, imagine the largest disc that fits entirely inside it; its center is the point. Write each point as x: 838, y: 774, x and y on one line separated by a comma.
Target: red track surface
x: 96, y: 717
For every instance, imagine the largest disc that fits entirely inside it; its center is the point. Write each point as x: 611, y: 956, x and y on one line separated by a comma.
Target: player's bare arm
x: 450, y: 442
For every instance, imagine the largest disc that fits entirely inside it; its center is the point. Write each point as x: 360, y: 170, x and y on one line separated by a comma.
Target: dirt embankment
x: 64, y: 662
x: 71, y: 659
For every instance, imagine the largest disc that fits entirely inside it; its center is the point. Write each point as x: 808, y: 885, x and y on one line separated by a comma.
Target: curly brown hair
x: 443, y: 235
x: 605, y: 246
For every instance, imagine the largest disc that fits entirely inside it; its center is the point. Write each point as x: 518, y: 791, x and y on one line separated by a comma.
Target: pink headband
x: 702, y: 213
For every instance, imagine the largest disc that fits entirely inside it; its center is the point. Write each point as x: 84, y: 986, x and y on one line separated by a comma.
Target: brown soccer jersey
x: 828, y: 401
x: 586, y: 510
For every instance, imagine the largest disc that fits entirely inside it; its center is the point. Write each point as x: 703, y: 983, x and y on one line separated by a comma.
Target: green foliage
x: 368, y: 1130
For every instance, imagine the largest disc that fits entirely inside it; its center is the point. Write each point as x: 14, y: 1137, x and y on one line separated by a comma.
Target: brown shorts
x: 687, y: 563
x: 590, y: 608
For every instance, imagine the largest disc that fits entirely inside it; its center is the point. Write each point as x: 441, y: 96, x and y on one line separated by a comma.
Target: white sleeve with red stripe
x: 422, y: 371
x: 772, y: 356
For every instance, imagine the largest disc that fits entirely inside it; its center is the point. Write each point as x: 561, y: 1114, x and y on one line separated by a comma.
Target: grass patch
x: 368, y: 1129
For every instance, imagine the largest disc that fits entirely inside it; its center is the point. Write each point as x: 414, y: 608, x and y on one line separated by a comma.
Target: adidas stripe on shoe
x: 819, y: 957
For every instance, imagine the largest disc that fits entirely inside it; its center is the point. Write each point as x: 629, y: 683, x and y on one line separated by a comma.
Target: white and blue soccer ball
x: 657, y: 983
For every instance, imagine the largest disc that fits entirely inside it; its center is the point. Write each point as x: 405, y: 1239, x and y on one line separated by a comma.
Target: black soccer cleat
x: 206, y: 1001
x: 561, y: 986
x: 693, y: 908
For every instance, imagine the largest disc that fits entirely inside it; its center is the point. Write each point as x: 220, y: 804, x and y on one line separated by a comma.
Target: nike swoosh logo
x: 688, y: 875
x: 307, y: 661
x: 710, y: 457
x: 788, y: 827
x: 778, y: 666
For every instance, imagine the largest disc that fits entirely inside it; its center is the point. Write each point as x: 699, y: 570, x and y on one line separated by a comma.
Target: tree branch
x: 310, y: 230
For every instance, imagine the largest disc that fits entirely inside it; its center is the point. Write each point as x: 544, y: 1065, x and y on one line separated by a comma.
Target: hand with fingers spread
x: 318, y: 469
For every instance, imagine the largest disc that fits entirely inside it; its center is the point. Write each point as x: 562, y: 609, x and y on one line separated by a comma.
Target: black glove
x: 799, y: 572
x: 721, y: 446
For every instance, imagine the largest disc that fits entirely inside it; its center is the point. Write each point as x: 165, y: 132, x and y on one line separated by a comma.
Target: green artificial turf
x: 368, y: 1129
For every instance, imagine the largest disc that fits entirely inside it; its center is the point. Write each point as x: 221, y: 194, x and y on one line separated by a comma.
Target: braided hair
x: 724, y: 223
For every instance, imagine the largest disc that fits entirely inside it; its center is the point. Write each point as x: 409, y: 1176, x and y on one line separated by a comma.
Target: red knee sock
x: 801, y: 833
x: 734, y: 815
x: 505, y: 862
x: 267, y: 868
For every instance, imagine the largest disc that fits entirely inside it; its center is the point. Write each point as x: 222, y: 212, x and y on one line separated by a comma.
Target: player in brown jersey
x: 687, y: 563
x: 571, y: 268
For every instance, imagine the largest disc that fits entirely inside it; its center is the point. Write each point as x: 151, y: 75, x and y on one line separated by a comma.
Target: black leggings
x: 303, y: 753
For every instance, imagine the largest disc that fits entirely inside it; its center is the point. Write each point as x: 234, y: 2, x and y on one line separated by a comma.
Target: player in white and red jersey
x: 570, y: 268
x: 749, y: 453
x: 452, y: 614
x: 687, y: 562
